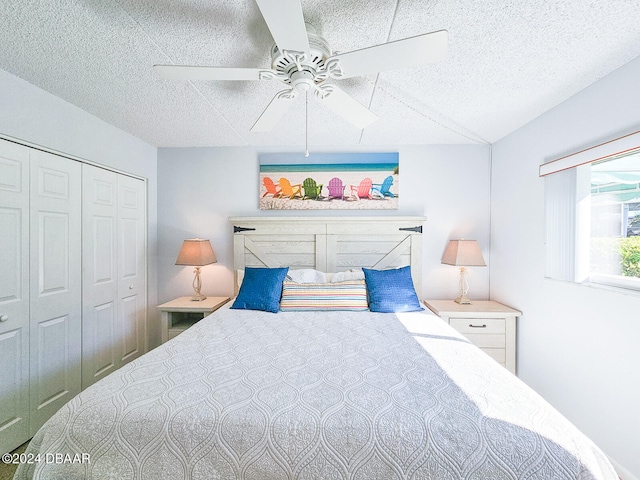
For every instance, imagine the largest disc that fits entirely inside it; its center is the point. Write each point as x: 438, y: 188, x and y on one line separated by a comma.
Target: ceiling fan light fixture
x: 302, y: 80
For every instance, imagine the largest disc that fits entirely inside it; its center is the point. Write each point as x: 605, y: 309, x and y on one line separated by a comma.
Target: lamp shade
x: 464, y: 253
x: 196, y: 253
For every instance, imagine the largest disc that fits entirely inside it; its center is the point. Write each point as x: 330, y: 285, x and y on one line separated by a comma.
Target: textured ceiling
x: 508, y: 62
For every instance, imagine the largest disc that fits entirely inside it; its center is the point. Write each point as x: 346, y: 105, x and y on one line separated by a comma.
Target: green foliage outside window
x: 630, y: 256
x: 616, y: 256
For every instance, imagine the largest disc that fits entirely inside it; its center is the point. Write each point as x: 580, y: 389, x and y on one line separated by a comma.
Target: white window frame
x: 568, y: 213
x: 608, y: 150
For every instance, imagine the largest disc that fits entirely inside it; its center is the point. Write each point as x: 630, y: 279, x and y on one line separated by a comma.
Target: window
x: 593, y: 215
x: 615, y: 221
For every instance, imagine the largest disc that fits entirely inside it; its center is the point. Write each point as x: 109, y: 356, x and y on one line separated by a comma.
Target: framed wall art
x: 329, y: 181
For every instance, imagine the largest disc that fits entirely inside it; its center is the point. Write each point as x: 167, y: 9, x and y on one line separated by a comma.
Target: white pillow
x: 239, y: 277
x: 303, y: 275
x: 307, y: 275
x: 353, y: 274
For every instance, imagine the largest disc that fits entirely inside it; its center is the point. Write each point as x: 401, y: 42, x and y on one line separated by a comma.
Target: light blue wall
x: 577, y: 345
x: 201, y: 187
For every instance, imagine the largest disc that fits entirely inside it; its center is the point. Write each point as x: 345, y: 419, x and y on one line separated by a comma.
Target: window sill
x: 617, y: 283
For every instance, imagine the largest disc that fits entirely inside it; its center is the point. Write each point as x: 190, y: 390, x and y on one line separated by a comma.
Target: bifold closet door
x: 100, y: 352
x: 114, y: 281
x: 55, y: 284
x: 14, y: 295
x: 132, y: 261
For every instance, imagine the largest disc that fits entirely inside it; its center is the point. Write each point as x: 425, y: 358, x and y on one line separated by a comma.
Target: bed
x: 321, y: 394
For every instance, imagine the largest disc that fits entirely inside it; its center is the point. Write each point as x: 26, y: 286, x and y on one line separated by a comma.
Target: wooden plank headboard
x: 329, y: 244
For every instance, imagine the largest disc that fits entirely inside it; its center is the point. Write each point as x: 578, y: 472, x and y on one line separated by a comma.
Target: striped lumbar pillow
x: 349, y: 295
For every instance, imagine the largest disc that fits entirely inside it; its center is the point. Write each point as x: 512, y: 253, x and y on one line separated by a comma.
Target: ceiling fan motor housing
x: 286, y: 62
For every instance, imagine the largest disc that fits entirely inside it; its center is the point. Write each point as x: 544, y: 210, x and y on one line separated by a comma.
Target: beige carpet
x: 7, y: 471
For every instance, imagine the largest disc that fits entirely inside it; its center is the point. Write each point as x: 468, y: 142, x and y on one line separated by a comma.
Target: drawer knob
x: 478, y: 326
x: 4, y: 318
x: 130, y: 287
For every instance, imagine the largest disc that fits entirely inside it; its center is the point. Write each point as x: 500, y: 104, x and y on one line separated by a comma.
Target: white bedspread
x: 252, y: 395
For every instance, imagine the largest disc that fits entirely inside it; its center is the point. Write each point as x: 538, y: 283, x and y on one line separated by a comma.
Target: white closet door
x: 55, y: 284
x: 132, y: 294
x: 100, y: 325
x: 14, y: 295
x: 114, y: 271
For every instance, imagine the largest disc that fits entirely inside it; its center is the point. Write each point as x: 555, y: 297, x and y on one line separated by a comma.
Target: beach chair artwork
x: 288, y: 190
x: 363, y: 190
x: 328, y: 181
x: 311, y: 189
x: 382, y: 190
x: 336, y: 189
x: 272, y: 188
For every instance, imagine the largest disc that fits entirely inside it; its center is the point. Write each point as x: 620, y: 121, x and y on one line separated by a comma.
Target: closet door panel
x: 55, y: 287
x: 12, y: 248
x: 14, y: 295
x: 132, y: 315
x: 14, y: 390
x: 132, y: 266
x: 54, y: 257
x: 53, y: 352
x: 100, y: 324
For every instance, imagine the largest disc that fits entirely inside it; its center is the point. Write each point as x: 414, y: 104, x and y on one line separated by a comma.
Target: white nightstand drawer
x: 479, y: 325
x: 498, y: 354
x: 486, y: 341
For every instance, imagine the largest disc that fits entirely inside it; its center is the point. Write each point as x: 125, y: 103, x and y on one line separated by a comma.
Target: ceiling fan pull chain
x: 306, y: 123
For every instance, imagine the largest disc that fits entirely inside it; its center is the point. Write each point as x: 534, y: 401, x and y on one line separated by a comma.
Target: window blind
x: 560, y: 216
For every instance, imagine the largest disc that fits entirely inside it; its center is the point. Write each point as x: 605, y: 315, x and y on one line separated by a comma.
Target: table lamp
x: 196, y: 252
x: 463, y: 253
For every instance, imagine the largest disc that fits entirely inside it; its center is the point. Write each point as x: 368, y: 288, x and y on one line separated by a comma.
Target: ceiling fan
x: 303, y: 61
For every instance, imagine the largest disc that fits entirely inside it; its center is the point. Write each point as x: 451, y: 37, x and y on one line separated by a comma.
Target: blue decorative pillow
x: 261, y: 289
x: 391, y: 290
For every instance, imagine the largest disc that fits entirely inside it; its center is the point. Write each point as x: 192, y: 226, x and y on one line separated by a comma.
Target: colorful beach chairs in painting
x: 311, y: 189
x: 288, y: 190
x: 363, y: 190
x: 272, y: 188
x: 335, y: 188
x: 383, y: 189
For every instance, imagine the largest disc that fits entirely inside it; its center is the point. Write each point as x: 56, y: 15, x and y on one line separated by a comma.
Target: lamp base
x: 463, y: 300
x: 197, y: 285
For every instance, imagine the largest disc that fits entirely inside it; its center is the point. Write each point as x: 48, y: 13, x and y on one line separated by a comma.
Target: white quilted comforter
x: 252, y: 395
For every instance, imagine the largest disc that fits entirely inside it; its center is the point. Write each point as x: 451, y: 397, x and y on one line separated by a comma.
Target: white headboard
x: 329, y: 244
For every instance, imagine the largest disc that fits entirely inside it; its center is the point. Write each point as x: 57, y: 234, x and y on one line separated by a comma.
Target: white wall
x: 32, y: 115
x: 577, y: 345
x: 199, y: 188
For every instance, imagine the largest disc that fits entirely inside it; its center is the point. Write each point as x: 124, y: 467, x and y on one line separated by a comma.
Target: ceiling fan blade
x: 409, y: 52
x: 274, y: 111
x: 187, y: 72
x: 286, y: 24
x: 340, y: 102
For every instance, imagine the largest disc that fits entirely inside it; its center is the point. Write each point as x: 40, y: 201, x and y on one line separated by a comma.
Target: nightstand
x: 179, y: 314
x: 488, y: 324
